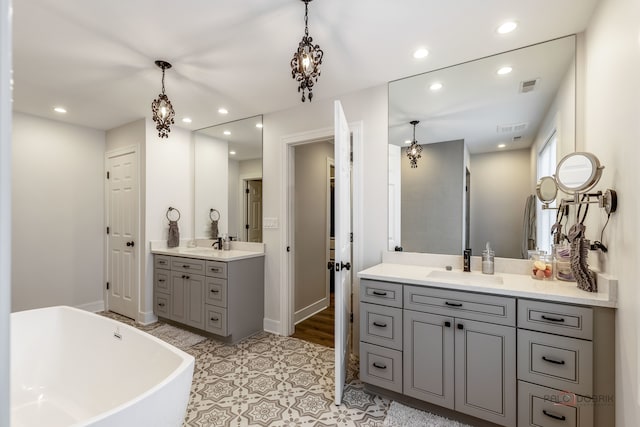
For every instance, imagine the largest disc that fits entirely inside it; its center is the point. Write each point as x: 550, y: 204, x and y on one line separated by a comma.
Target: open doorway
x: 253, y: 210
x: 313, y: 217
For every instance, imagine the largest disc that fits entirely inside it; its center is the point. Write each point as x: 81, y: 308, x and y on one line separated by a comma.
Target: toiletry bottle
x: 225, y: 243
x: 487, y: 260
x: 466, y: 260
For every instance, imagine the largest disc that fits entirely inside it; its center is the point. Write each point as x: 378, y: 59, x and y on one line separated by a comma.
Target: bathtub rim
x: 186, y: 361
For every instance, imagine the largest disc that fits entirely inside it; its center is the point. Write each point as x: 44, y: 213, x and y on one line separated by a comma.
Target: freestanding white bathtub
x: 74, y: 368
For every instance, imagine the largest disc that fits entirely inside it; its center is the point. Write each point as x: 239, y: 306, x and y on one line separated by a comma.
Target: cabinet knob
x: 379, y: 365
x: 460, y: 326
x: 447, y: 324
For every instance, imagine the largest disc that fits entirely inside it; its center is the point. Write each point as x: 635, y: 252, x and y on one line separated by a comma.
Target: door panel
x: 122, y: 220
x: 254, y: 210
x: 428, y: 357
x: 342, y: 156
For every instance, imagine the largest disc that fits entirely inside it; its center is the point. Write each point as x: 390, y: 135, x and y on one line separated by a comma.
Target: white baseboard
x: 146, y: 318
x: 270, y: 325
x: 93, y: 307
x: 310, y: 310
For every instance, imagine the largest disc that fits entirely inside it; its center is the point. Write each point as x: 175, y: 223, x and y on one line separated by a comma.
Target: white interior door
x: 254, y: 210
x: 342, y: 157
x: 122, y: 242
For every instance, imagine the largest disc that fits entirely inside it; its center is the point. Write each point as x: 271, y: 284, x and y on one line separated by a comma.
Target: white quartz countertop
x: 516, y: 285
x: 239, y: 250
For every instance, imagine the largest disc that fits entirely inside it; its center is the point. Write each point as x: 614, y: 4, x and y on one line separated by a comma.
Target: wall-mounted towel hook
x: 169, y: 211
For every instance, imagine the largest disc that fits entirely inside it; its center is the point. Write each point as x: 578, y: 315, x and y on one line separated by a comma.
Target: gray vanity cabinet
x: 454, y: 356
x: 223, y: 298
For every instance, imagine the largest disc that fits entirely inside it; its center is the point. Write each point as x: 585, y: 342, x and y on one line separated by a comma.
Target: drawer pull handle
x: 380, y: 294
x: 215, y: 319
x: 453, y: 304
x: 379, y: 365
x: 214, y: 291
x: 552, y: 319
x: 215, y: 270
x: 161, y: 304
x: 447, y: 324
x: 380, y: 325
x: 186, y: 266
x: 555, y: 417
x: 160, y: 280
x: 557, y: 362
x: 162, y: 262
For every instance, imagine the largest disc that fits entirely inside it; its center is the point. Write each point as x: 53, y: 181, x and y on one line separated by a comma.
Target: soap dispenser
x: 487, y: 260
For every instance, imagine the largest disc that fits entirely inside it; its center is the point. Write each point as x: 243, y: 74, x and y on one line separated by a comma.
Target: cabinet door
x: 178, y: 304
x: 485, y: 371
x: 428, y: 358
x: 195, y: 288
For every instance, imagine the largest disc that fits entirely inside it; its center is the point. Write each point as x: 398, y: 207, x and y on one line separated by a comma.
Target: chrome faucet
x: 218, y: 243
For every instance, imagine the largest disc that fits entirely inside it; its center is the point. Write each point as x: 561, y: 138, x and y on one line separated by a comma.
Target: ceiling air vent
x: 516, y: 138
x: 529, y: 85
x: 514, y: 127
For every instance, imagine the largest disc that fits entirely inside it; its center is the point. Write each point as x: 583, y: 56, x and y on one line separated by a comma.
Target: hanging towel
x: 174, y: 235
x: 214, y: 229
x: 529, y: 226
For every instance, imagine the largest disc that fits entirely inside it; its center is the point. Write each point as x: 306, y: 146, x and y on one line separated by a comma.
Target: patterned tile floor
x: 269, y: 380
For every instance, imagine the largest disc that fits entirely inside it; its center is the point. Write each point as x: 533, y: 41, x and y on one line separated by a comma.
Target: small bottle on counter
x: 488, y: 260
x: 225, y: 243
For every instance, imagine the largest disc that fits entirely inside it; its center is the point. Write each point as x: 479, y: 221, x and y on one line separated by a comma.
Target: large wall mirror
x: 487, y: 128
x: 228, y: 180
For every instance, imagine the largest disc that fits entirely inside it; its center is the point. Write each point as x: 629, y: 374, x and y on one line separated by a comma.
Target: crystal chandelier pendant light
x: 305, y: 65
x: 162, y: 111
x: 414, y: 150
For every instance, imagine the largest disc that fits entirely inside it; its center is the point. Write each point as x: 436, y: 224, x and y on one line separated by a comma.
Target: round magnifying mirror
x: 578, y: 172
x: 547, y: 189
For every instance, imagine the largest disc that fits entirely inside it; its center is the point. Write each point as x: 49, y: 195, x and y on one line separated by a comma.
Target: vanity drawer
x: 385, y: 293
x: 465, y: 305
x: 161, y: 281
x: 188, y: 265
x: 381, y: 367
x: 545, y: 407
x: 161, y: 304
x: 381, y: 325
x: 217, y: 269
x: 215, y: 320
x: 554, y: 361
x: 216, y: 292
x: 562, y: 319
x: 162, y: 261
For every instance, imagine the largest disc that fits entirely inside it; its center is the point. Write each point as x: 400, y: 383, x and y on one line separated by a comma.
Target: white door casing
x: 342, y: 156
x: 123, y: 243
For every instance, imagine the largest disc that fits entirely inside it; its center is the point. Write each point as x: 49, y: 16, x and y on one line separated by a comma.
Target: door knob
x: 329, y: 265
x: 130, y: 243
x: 346, y: 266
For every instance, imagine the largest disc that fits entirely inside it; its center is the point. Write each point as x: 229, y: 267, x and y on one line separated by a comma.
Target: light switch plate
x: 269, y: 222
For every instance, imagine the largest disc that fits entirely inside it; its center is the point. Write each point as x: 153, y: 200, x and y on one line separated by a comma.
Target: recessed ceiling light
x: 259, y: 125
x: 435, y: 86
x: 420, y: 53
x: 227, y: 132
x: 507, y: 27
x: 505, y: 70
x: 233, y: 153
x: 502, y: 145
x: 60, y: 110
x: 407, y: 141
x: 186, y: 120
x: 222, y: 110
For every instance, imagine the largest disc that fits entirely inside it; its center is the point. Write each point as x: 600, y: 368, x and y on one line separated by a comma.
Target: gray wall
x: 500, y: 182
x: 311, y: 222
x: 432, y: 199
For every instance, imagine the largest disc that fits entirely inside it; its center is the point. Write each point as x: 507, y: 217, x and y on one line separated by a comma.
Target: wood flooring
x: 318, y: 328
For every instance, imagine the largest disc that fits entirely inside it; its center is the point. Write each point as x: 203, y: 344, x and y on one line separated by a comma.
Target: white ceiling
x: 96, y: 58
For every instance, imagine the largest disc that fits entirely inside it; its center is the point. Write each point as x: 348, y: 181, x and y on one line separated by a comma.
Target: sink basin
x: 465, y: 278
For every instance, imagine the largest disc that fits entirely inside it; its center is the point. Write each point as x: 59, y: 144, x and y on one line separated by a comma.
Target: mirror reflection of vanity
x: 483, y: 136
x: 228, y: 179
